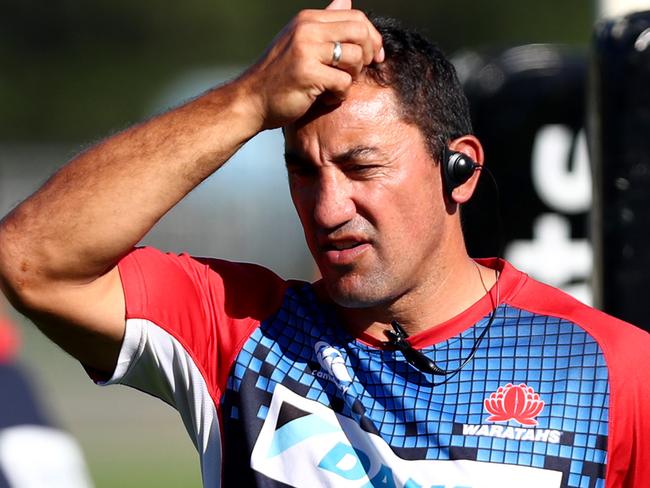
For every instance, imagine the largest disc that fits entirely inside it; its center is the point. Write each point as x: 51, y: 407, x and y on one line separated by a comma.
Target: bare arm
x: 59, y: 248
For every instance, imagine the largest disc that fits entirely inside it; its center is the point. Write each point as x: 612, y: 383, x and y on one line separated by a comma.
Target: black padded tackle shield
x: 620, y: 151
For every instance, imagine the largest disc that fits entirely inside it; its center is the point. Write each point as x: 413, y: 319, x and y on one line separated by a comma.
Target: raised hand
x: 318, y: 52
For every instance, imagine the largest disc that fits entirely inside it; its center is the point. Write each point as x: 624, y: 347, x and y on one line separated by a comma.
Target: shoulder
x: 203, y: 307
x: 623, y: 345
x: 624, y: 348
x: 612, y: 334
x: 150, y: 276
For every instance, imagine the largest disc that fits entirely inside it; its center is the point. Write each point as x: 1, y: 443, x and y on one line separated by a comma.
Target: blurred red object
x: 9, y: 340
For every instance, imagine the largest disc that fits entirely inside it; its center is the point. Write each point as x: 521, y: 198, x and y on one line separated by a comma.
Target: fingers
x: 350, y: 60
x: 352, y: 32
x: 301, y: 66
x: 345, y: 26
x: 339, y: 5
x: 335, y: 82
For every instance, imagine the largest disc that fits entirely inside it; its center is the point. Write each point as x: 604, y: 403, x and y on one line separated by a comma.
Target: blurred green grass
x: 160, y: 467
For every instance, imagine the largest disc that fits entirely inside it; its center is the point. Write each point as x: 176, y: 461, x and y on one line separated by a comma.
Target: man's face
x: 369, y: 197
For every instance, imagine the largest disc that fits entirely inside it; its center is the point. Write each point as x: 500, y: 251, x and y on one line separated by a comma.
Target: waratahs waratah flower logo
x: 514, y: 402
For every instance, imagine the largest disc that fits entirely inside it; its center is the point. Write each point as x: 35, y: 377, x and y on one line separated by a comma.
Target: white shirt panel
x: 152, y: 360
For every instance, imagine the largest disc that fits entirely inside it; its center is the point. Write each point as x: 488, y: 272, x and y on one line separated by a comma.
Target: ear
x: 470, y: 146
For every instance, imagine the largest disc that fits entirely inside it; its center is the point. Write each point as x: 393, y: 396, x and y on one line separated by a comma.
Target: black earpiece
x: 457, y: 168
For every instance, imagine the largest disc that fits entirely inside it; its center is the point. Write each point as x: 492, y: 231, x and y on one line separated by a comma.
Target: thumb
x: 339, y: 5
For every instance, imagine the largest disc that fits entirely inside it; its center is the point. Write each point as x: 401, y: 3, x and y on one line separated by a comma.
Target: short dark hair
x: 425, y: 83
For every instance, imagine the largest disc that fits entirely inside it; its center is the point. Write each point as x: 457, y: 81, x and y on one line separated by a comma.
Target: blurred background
x: 73, y: 72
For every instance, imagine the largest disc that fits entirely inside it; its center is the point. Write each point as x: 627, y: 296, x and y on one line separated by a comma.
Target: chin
x: 353, y: 292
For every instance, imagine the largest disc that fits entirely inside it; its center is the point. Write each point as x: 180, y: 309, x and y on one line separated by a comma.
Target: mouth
x: 343, y: 251
x: 342, y: 245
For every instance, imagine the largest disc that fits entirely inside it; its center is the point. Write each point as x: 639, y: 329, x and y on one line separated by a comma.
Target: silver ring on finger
x: 336, y: 53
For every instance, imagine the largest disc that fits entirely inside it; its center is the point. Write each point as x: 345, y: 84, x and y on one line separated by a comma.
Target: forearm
x: 76, y: 228
x: 102, y: 203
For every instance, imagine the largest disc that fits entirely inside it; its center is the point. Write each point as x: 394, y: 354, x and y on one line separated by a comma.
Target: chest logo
x: 514, y: 402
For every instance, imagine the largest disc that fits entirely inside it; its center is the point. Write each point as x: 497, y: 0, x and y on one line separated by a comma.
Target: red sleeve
x: 210, y: 306
x: 626, y: 349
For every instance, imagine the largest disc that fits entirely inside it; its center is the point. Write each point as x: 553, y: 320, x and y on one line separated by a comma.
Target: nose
x: 333, y: 199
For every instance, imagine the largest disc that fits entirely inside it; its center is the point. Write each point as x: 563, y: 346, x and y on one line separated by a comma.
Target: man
x: 502, y: 380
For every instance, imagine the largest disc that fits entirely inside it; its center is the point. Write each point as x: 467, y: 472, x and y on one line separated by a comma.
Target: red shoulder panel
x: 210, y: 306
x: 626, y: 349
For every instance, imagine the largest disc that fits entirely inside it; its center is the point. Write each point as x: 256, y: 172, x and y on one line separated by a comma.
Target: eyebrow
x: 356, y: 153
x: 293, y: 158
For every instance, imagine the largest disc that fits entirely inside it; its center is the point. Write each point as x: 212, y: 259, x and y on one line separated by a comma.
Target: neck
x: 447, y: 293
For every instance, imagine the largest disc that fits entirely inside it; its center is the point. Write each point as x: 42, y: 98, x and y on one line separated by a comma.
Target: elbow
x: 17, y: 277
x: 30, y: 268
x: 16, y: 290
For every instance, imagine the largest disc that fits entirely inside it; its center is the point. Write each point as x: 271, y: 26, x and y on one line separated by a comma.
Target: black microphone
x: 415, y: 358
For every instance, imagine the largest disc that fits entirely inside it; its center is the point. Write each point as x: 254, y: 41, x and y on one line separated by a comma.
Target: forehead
x: 369, y: 111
